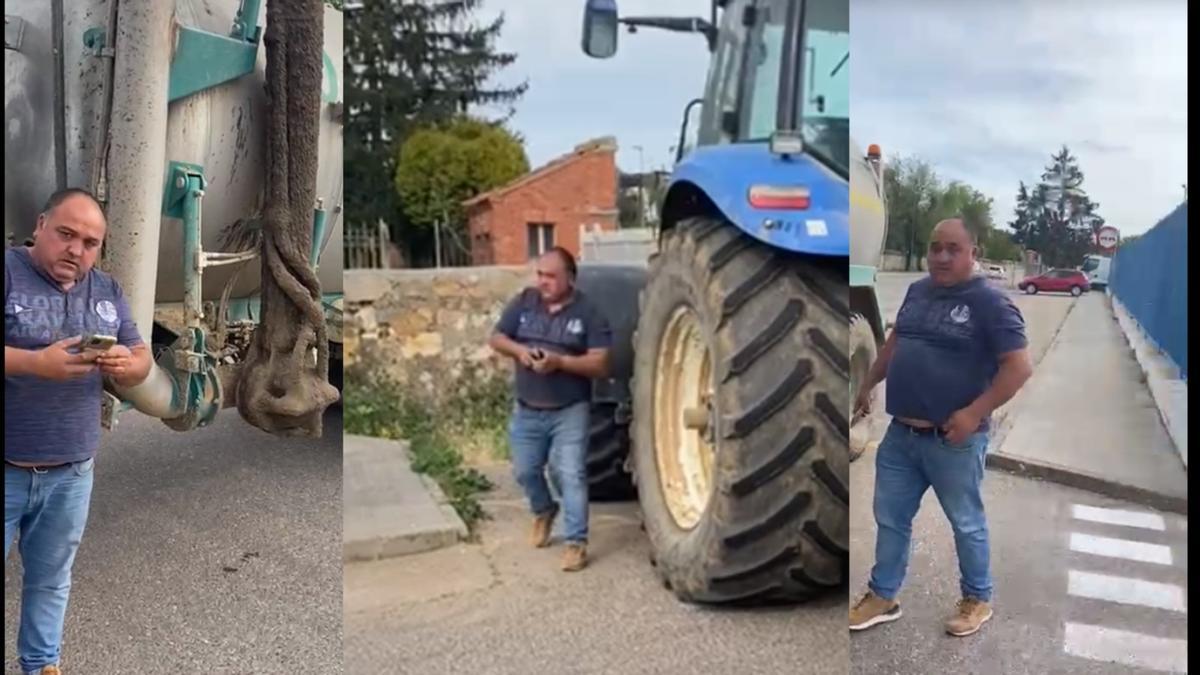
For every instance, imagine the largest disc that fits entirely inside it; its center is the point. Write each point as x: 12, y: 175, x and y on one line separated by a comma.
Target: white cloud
x: 637, y: 96
x: 987, y: 92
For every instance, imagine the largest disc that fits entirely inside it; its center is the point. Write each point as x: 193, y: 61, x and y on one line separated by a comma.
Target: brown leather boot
x: 542, y: 525
x: 575, y: 557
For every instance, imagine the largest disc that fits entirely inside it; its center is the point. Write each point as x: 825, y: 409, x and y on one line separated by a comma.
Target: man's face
x: 951, y: 254
x: 67, y: 239
x: 553, y: 281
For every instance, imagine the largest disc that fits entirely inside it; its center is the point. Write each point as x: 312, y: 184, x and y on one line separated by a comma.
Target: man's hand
x: 56, y: 363
x: 961, y: 425
x: 547, y: 364
x: 862, y: 403
x: 116, y: 362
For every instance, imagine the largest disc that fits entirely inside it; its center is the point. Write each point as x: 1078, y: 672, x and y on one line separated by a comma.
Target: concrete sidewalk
x: 1086, y: 418
x: 387, y: 509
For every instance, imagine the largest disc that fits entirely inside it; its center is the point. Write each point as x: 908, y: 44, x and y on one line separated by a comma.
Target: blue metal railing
x: 1150, y: 277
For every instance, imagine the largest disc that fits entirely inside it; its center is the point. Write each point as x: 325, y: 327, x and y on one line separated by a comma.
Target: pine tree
x: 411, y: 63
x: 1057, y: 219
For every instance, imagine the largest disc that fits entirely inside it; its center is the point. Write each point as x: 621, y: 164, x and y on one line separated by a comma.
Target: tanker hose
x: 282, y: 388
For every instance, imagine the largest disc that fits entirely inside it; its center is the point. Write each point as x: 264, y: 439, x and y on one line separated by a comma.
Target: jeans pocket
x: 85, y: 467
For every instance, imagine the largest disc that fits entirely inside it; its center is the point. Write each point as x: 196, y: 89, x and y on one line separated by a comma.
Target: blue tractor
x: 732, y: 364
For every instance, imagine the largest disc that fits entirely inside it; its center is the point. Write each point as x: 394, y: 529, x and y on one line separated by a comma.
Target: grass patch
x: 468, y: 423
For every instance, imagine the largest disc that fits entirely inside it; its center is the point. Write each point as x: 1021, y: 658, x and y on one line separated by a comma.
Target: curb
x: 449, y: 532
x: 1168, y: 391
x: 1083, y: 481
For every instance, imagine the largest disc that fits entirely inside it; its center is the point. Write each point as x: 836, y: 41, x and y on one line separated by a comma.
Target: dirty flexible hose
x: 282, y: 389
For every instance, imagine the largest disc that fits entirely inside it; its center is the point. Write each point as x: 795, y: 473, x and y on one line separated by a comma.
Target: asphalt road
x: 215, y: 551
x: 500, y: 607
x: 1039, y: 608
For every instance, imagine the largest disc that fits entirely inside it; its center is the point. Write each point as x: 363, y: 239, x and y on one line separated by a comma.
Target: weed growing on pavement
x: 476, y: 413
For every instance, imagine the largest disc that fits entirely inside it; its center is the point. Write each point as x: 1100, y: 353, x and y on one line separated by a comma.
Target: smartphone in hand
x: 97, y: 343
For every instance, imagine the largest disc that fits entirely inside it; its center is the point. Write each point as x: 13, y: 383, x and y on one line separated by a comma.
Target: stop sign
x: 1107, y: 237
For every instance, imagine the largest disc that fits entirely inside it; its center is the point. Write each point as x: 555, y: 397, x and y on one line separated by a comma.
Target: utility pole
x: 641, y: 187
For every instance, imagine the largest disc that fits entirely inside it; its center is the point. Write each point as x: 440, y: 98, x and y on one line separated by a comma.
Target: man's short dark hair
x: 65, y: 194
x: 568, y: 260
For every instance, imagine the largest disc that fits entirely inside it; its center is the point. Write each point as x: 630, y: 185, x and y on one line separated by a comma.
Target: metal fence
x: 1150, y: 278
x: 367, y: 247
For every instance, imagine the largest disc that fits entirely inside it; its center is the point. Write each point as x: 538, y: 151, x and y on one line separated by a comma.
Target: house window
x: 541, y: 238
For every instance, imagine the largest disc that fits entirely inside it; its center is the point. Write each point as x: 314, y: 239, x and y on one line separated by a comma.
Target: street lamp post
x: 641, y: 187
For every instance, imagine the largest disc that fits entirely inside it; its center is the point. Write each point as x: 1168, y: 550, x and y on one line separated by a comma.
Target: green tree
x: 440, y: 167
x: 1057, y: 219
x: 410, y: 63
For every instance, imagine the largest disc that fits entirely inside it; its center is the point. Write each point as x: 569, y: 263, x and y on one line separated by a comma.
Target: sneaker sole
x: 886, y: 617
x: 973, y: 630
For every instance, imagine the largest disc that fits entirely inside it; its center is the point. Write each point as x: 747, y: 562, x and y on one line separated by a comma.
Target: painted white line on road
x: 1148, y: 521
x: 1126, y: 591
x: 1132, y: 649
x: 1121, y: 548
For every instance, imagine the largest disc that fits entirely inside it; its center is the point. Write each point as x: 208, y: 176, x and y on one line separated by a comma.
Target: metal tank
x: 159, y: 107
x: 53, y: 125
x: 868, y: 220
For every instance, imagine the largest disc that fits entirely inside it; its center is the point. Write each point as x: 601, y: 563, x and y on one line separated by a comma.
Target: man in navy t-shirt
x: 957, y: 352
x: 52, y: 400
x: 559, y: 341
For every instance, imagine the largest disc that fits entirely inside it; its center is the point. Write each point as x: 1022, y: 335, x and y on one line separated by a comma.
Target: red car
x: 1074, y: 282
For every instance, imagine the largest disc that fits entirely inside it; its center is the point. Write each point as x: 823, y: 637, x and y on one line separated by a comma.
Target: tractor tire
x: 608, y: 447
x: 862, y: 355
x: 772, y: 525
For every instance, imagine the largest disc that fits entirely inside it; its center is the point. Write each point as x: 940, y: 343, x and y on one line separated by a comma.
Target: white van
x: 1096, y: 267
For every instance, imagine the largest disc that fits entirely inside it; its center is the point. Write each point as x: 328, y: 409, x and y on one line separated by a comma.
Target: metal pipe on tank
x: 137, y: 151
x: 136, y: 161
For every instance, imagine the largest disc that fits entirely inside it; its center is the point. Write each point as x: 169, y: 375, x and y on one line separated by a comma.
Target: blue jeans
x: 558, y: 438
x: 906, y: 465
x: 49, y: 507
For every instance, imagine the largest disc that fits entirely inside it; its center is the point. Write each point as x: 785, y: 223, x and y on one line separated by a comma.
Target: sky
x: 986, y: 92
x: 638, y: 95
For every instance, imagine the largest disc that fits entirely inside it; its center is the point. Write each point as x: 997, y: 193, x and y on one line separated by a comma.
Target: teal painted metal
x: 204, y: 60
x: 862, y: 275
x: 195, y: 375
x: 173, y: 191
x: 188, y: 362
x: 331, y: 80
x: 245, y: 24
x: 318, y: 236
x: 94, y: 39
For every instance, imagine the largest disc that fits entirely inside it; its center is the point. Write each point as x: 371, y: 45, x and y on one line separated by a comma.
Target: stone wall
x: 427, y: 329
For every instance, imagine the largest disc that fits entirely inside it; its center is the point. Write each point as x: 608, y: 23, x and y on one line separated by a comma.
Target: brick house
x: 546, y: 207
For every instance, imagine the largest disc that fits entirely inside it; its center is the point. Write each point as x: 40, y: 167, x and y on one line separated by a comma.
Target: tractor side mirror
x: 600, y: 28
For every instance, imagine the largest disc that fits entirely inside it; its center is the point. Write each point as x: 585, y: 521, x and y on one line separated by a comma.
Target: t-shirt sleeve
x: 599, y: 332
x: 510, y: 318
x: 127, y: 331
x: 1006, y: 329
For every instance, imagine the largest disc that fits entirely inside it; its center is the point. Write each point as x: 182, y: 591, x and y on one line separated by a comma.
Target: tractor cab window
x: 822, y: 77
x: 825, y: 84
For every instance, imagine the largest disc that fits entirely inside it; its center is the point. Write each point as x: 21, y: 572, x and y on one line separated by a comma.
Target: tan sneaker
x: 872, y: 610
x: 49, y: 670
x: 970, y: 617
x: 574, y: 558
x: 542, y: 525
